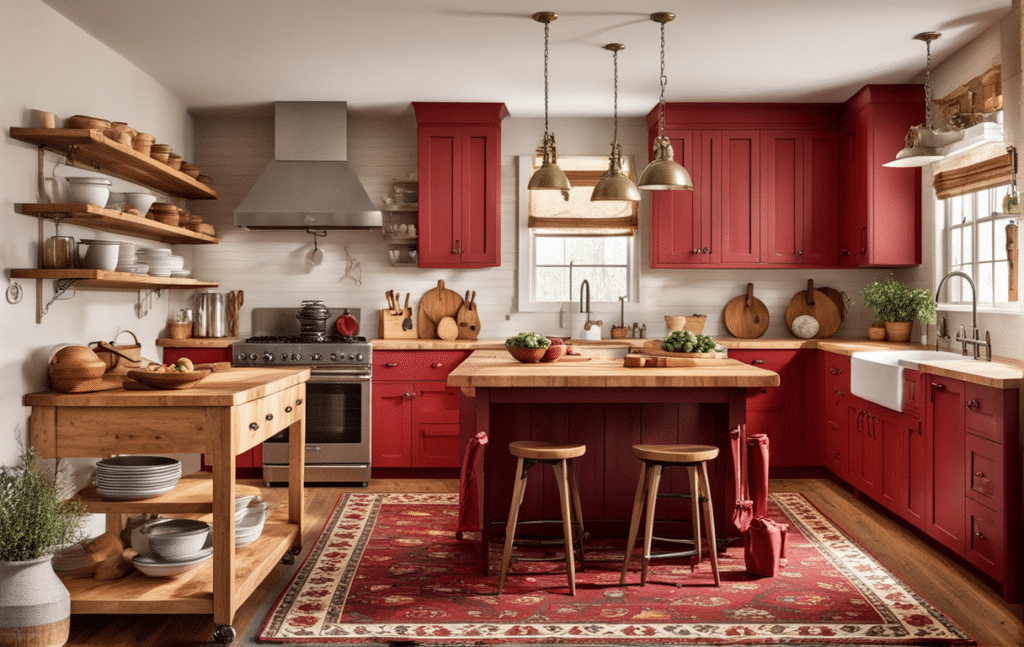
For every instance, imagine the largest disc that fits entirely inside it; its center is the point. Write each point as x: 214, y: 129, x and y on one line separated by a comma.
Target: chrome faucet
x: 586, y: 285
x: 975, y: 338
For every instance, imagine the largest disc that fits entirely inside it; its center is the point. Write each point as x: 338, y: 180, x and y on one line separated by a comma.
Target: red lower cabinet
x: 779, y: 412
x: 945, y: 426
x: 917, y: 467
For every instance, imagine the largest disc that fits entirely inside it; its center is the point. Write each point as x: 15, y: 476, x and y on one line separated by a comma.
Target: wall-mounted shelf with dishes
x: 115, y: 222
x: 400, y: 220
x: 402, y: 255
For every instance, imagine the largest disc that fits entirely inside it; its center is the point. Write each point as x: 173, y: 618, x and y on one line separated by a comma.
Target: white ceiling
x: 238, y: 56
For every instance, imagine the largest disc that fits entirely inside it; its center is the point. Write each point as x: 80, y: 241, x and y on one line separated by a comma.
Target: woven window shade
x: 976, y: 177
x: 551, y: 214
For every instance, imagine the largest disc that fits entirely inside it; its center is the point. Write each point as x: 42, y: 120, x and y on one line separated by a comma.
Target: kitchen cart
x: 226, y: 414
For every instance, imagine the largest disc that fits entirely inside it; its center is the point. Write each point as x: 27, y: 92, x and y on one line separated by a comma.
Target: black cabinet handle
x: 835, y: 371
x: 757, y: 361
x: 391, y: 364
x: 270, y: 417
x: 298, y: 402
x: 841, y: 394
x: 288, y: 409
x: 436, y: 365
x: 254, y: 426
x: 980, y: 474
x: 973, y: 404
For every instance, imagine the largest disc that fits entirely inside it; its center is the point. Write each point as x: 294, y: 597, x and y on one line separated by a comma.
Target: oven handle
x: 337, y: 378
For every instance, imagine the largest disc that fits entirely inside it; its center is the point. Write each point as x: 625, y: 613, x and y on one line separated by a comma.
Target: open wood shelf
x: 100, y: 279
x: 115, y: 222
x: 193, y: 494
x: 90, y: 147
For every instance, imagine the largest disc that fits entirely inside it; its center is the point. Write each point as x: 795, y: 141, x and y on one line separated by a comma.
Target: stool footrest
x: 681, y: 553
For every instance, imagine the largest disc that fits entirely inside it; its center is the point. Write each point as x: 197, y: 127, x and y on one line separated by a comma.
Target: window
x: 975, y: 243
x: 555, y: 259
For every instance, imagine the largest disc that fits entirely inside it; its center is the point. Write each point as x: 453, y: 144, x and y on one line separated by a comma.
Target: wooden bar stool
x: 531, y: 452
x: 655, y: 458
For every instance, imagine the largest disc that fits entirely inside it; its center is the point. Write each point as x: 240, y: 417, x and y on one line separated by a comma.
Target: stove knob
x: 317, y: 357
x: 334, y: 357
x: 284, y: 357
x: 242, y: 357
x: 351, y: 357
x: 268, y: 357
x: 296, y: 356
x: 359, y: 357
x: 253, y: 357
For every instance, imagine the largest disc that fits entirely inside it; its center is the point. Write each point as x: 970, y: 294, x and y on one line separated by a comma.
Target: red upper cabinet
x: 881, y: 207
x: 459, y: 165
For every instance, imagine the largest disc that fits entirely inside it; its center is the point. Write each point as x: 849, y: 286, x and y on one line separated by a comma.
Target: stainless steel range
x: 337, y: 394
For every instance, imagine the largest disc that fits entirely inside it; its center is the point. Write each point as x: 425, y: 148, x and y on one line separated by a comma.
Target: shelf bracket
x: 145, y: 303
x: 60, y: 286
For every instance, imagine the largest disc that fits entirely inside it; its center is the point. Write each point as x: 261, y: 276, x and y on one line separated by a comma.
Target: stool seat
x: 675, y: 453
x: 541, y: 450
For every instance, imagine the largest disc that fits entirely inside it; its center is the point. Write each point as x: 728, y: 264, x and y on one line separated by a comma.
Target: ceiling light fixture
x: 664, y: 172
x: 548, y: 176
x: 922, y: 143
x: 615, y: 185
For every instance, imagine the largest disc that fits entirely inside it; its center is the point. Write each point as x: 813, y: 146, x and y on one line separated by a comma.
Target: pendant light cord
x: 546, y: 25
x: 928, y: 87
x: 663, y: 79
x: 615, y: 62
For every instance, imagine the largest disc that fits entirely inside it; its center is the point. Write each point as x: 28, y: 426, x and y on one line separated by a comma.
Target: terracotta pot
x: 876, y: 333
x: 35, y: 607
x: 898, y: 330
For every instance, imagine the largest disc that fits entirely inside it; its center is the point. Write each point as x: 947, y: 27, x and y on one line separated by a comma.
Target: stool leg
x: 510, y: 527
x: 709, y: 521
x: 691, y: 473
x: 634, y: 522
x: 574, y: 488
x: 652, y: 497
x: 563, y: 500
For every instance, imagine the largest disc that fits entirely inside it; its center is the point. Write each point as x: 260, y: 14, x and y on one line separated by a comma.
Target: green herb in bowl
x: 528, y: 340
x: 684, y: 341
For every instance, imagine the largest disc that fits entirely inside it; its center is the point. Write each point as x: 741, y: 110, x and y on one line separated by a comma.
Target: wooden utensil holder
x: 390, y: 325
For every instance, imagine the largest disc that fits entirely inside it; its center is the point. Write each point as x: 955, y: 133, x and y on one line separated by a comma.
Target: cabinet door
x: 872, y: 455
x: 945, y: 427
x: 918, y: 469
x: 392, y: 421
x: 677, y: 228
x: 435, y: 430
x: 821, y: 198
x: 778, y: 411
x: 477, y: 231
x: 783, y: 196
x: 440, y: 193
x: 886, y: 431
x: 836, y: 458
x: 853, y: 190
x: 855, y: 445
x: 739, y: 218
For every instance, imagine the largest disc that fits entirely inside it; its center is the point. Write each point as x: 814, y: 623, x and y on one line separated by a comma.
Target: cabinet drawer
x: 782, y: 362
x: 986, y: 412
x: 416, y: 365
x: 985, y: 472
x: 834, y: 373
x: 260, y: 419
x: 986, y: 541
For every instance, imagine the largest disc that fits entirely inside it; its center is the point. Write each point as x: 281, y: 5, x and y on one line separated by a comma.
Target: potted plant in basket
x: 897, y: 305
x: 35, y: 607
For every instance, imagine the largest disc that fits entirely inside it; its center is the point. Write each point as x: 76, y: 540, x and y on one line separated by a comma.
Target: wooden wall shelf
x: 118, y: 280
x: 115, y: 222
x: 90, y: 147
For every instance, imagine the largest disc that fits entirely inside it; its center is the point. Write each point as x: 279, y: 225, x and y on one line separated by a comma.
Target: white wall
x: 49, y: 64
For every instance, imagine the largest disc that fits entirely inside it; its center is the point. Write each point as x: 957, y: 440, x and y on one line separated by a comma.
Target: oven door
x: 337, y: 421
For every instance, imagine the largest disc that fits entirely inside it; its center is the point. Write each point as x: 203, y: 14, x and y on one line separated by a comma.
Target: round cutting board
x: 746, y: 316
x: 838, y: 298
x: 816, y: 304
x: 436, y: 304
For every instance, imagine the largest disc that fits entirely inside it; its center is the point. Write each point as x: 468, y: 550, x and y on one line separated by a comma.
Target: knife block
x: 390, y: 326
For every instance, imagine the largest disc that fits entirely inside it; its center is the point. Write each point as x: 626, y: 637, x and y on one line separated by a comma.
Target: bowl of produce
x: 527, y: 347
x: 684, y: 342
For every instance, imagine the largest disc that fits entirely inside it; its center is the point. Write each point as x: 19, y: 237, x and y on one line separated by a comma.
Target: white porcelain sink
x: 877, y: 376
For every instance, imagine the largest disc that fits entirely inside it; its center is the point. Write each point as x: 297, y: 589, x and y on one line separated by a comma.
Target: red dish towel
x: 764, y: 546
x: 744, y: 510
x: 757, y: 472
x: 469, y: 487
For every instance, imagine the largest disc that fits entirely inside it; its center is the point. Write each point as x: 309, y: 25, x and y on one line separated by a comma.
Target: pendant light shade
x: 548, y: 176
x: 615, y: 185
x: 921, y: 146
x: 664, y: 173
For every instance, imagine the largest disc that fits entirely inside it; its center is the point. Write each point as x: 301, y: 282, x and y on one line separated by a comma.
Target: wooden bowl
x: 82, y: 121
x: 160, y: 156
x: 143, y: 142
x: 173, y: 380
x: 172, y: 219
x: 74, y: 366
x: 205, y: 179
x: 190, y: 169
x: 174, y: 161
x: 526, y: 355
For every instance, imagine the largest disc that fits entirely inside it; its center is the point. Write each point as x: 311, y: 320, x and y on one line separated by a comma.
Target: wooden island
x: 225, y: 414
x: 609, y: 408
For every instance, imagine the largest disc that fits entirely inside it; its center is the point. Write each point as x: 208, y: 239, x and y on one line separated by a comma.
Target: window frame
x: 527, y: 258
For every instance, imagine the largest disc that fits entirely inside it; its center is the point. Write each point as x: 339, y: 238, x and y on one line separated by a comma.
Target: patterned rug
x: 387, y: 568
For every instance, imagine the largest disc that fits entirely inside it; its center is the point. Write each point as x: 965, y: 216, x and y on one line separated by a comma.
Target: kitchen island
x: 609, y: 408
x: 225, y: 414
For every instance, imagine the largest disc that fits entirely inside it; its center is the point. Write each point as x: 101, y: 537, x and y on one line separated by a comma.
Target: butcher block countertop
x: 497, y: 369
x: 227, y: 388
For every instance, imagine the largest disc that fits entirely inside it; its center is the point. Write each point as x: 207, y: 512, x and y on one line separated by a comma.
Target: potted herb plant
x: 35, y: 607
x: 897, y: 305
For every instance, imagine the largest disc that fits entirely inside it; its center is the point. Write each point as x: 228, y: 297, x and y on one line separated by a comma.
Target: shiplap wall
x: 273, y: 267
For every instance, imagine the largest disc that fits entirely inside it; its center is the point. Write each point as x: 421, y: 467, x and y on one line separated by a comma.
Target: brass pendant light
x: 615, y: 185
x: 548, y: 176
x: 921, y: 144
x: 664, y: 173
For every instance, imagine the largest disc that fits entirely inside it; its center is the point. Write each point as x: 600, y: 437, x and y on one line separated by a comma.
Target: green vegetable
x: 528, y: 340
x: 684, y: 341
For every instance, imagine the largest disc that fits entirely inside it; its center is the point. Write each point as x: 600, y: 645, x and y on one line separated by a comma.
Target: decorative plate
x: 174, y: 380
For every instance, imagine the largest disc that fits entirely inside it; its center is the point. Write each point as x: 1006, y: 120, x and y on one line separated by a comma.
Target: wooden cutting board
x: 839, y: 299
x: 468, y: 318
x: 435, y: 305
x: 816, y: 304
x: 746, y: 316
x: 686, y: 362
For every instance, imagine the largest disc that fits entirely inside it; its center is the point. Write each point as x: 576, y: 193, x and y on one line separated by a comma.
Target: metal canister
x: 210, y: 315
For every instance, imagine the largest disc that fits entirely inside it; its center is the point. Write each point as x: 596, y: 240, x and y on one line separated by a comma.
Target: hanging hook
x: 317, y: 256
x: 352, y: 268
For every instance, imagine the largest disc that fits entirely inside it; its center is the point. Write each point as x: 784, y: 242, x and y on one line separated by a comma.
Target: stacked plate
x: 169, y: 547
x: 159, y: 260
x: 136, y: 477
x: 126, y: 260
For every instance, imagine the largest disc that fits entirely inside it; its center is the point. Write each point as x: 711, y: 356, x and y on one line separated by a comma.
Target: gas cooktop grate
x: 336, y: 339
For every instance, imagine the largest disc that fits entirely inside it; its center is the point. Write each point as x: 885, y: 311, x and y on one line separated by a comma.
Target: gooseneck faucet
x: 975, y: 338
x: 586, y: 285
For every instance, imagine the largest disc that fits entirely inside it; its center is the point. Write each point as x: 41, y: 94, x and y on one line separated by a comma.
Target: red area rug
x: 387, y: 567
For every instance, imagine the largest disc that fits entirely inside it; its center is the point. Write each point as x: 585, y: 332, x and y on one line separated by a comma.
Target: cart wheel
x: 288, y: 559
x: 295, y: 550
x: 366, y: 483
x: 224, y: 634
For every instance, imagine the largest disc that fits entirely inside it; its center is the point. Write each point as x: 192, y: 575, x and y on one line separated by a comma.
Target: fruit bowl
x: 526, y: 355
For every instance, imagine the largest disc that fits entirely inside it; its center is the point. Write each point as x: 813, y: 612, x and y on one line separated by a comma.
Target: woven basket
x: 124, y: 356
x: 177, y: 330
x: 693, y: 323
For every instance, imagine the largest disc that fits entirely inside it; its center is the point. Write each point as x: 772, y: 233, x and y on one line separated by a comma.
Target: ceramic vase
x: 898, y: 330
x: 35, y: 607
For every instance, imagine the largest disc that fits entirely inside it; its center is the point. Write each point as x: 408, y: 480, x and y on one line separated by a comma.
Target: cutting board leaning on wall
x: 436, y: 304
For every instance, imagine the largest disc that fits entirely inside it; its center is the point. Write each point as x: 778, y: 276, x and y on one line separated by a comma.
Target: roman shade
x: 571, y: 213
x: 986, y: 174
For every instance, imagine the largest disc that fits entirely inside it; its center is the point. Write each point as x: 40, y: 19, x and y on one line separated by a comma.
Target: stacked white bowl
x: 136, y: 477
x: 158, y: 259
x: 101, y: 254
x: 88, y: 190
x: 126, y: 261
x: 169, y: 547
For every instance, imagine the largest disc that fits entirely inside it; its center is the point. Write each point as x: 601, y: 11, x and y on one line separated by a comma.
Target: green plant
x: 894, y: 300
x: 528, y: 340
x: 34, y: 520
x: 684, y: 341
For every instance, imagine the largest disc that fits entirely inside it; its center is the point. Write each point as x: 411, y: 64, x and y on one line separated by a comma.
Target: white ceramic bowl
x: 101, y: 254
x: 177, y: 539
x: 249, y: 525
x: 141, y: 201
x: 156, y: 568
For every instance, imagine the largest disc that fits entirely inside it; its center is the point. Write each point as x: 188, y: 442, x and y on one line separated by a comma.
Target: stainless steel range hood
x: 309, y: 185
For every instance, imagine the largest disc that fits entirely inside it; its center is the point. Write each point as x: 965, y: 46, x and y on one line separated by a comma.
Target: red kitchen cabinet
x: 881, y: 206
x: 459, y: 165
x: 778, y: 412
x: 833, y: 380
x: 415, y: 413
x: 945, y: 429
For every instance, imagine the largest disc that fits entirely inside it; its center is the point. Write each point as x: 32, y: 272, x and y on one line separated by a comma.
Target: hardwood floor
x: 970, y: 603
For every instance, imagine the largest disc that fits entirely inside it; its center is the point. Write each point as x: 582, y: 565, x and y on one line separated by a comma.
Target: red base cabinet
x: 415, y: 413
x: 459, y: 164
x: 779, y: 412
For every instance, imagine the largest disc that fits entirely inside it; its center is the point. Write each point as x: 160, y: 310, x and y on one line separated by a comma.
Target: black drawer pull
x: 973, y: 404
x: 979, y: 534
x: 980, y: 475
x: 391, y: 364
x: 757, y: 361
x: 841, y: 394
x: 288, y: 409
x: 436, y: 365
x: 938, y: 387
x: 835, y: 371
x: 254, y: 426
x: 298, y: 402
x: 270, y: 417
